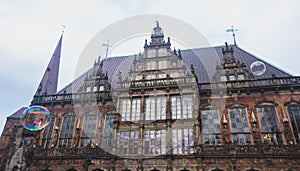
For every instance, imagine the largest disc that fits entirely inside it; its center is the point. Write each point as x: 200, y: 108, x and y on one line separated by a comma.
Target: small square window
x: 232, y: 77
x: 101, y: 88
x: 223, y: 78
x: 241, y: 77
x: 95, y: 88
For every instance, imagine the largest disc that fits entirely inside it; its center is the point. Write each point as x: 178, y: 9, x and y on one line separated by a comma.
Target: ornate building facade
x: 192, y: 110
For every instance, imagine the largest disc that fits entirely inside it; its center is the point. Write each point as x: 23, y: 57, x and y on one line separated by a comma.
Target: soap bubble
x: 258, y: 68
x: 35, y: 118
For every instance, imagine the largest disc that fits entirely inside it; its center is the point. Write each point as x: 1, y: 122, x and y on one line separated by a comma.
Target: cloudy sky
x: 29, y: 31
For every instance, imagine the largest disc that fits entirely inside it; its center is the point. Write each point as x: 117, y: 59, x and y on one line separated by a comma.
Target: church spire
x: 48, y: 84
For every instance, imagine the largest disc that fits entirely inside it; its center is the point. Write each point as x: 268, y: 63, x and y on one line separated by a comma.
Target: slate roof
x: 204, y: 61
x: 17, y: 114
x: 48, y: 84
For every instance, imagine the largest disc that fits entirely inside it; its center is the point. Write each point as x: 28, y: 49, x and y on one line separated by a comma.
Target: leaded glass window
x: 89, y: 129
x: 46, y: 141
x: 128, y: 142
x: 155, y: 142
x: 294, y: 113
x: 187, y: 106
x: 67, y: 131
x: 108, y: 131
x: 125, y: 109
x: 269, y: 125
x: 211, y: 127
x: 181, y: 107
x: 136, y: 109
x: 155, y: 108
x: 182, y: 141
x: 239, y: 126
x: 176, y: 107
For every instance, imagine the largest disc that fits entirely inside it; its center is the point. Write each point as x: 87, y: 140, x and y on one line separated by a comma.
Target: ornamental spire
x: 48, y: 84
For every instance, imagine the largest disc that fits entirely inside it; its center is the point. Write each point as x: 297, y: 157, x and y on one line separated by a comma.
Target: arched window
x: 67, y: 130
x: 210, y: 134
x: 46, y: 140
x: 89, y: 129
x: 294, y: 113
x: 107, y: 141
x: 239, y: 126
x: 269, y: 124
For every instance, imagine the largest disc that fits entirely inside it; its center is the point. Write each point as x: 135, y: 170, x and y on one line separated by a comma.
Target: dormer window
x: 232, y: 77
x: 101, y: 88
x: 88, y: 89
x: 241, y: 77
x: 95, y: 88
x: 223, y: 78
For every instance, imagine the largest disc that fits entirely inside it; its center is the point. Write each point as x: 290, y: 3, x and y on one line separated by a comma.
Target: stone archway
x: 126, y: 169
x: 46, y: 169
x: 217, y: 170
x: 97, y: 169
x: 252, y: 169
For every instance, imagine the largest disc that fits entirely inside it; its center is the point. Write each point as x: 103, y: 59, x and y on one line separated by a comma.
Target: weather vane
x: 107, y: 45
x: 233, y: 33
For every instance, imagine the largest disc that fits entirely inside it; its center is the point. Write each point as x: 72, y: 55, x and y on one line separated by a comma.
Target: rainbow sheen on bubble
x: 258, y: 68
x: 35, y: 118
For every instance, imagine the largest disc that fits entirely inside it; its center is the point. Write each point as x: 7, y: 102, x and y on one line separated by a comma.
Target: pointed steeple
x: 48, y: 84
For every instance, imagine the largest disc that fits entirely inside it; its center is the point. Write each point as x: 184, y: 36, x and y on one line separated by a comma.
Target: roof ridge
x: 267, y: 62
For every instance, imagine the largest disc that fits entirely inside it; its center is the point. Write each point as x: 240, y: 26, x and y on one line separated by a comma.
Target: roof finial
x: 63, y: 29
x: 233, y: 33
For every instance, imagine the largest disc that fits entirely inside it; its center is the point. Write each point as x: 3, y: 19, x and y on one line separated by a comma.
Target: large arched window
x: 67, y: 130
x: 89, y: 129
x: 210, y: 134
x: 46, y: 140
x: 270, y: 128
x: 107, y: 141
x: 294, y: 113
x: 239, y: 126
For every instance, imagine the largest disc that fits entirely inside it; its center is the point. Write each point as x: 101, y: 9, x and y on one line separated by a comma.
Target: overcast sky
x: 29, y: 32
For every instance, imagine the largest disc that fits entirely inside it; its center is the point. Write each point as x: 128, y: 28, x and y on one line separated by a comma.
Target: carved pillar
x: 141, y: 139
x: 77, y: 134
x: 286, y: 129
x: 140, y: 165
x: 226, y: 133
x: 169, y: 137
x: 54, y: 138
x: 116, y: 130
x: 255, y: 129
